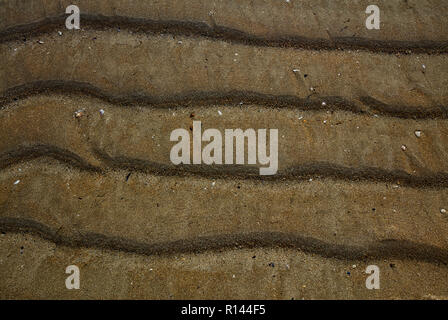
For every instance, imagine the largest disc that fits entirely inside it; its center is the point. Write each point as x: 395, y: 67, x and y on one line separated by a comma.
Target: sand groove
x: 388, y: 249
x: 366, y: 104
x: 233, y: 36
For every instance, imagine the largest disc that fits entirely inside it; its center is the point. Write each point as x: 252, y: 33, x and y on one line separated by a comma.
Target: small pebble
x: 220, y: 113
x: 40, y: 42
x: 403, y: 147
x: 295, y: 70
x: 418, y: 133
x: 79, y: 114
x: 324, y: 103
x: 442, y: 210
x: 59, y: 33
x: 101, y: 111
x: 17, y: 182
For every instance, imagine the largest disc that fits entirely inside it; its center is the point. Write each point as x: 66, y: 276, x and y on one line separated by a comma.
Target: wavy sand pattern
x: 363, y: 135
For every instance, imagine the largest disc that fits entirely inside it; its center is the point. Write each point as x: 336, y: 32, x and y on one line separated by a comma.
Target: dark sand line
x: 26, y: 153
x: 229, y: 98
x: 387, y: 249
x: 301, y: 172
x: 201, y: 29
x: 315, y: 170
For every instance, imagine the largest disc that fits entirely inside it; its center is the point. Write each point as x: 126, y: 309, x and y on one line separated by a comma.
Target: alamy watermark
x: 211, y: 153
x: 373, y: 21
x: 373, y: 280
x: 73, y: 280
x: 73, y: 20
